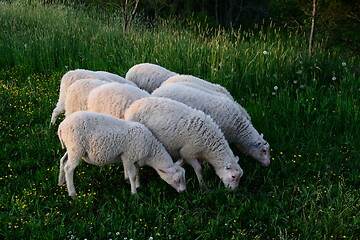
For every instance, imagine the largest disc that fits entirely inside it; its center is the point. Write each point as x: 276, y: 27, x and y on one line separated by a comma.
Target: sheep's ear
x: 261, y: 135
x: 236, y: 159
x: 166, y: 170
x: 180, y: 162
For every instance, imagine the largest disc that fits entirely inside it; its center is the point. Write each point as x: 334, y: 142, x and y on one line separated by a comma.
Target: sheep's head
x: 174, y: 176
x: 230, y: 174
x: 260, y: 150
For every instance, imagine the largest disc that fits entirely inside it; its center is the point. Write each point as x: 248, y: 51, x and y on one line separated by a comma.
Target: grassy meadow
x: 307, y: 108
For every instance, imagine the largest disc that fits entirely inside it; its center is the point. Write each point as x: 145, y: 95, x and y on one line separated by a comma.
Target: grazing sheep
x: 113, y: 98
x: 188, y: 134
x: 198, y: 83
x: 102, y: 139
x: 235, y: 125
x: 148, y: 76
x: 77, y: 94
x: 72, y: 76
x: 205, y: 86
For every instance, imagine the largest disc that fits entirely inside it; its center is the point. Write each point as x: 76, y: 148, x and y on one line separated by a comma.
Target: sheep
x: 73, y: 75
x: 188, y: 134
x: 113, y: 98
x: 102, y: 139
x: 77, y: 94
x: 198, y: 83
x: 236, y: 127
x: 148, y: 76
x: 205, y: 86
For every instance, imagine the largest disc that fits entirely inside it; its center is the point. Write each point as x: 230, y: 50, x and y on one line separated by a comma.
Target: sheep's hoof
x: 73, y: 196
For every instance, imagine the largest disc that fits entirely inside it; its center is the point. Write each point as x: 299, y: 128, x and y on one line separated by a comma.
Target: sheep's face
x: 174, y: 176
x: 260, y: 150
x: 230, y: 174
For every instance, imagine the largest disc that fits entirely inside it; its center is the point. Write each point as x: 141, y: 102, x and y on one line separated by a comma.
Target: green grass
x: 307, y: 108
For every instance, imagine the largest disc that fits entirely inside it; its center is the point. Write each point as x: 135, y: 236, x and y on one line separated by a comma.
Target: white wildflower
x: 343, y: 64
x: 276, y: 88
x: 265, y: 52
x: 333, y: 78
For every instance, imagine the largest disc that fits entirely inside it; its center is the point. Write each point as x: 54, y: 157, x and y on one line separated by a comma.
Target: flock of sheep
x: 151, y: 117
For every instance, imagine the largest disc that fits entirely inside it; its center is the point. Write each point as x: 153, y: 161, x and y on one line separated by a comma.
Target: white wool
x: 77, y: 94
x: 72, y: 76
x: 102, y: 139
x: 114, y: 98
x: 148, y: 76
x: 198, y: 83
x: 205, y: 86
x: 188, y: 134
x: 235, y: 125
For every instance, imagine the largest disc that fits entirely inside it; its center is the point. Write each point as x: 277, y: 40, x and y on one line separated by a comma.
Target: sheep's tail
x: 60, y: 138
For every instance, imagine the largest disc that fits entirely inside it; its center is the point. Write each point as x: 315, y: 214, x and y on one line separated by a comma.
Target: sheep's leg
x: 59, y: 109
x: 132, y: 174
x: 137, y: 180
x: 69, y: 168
x: 126, y: 174
x: 198, y: 171
x: 63, y: 161
x: 187, y: 154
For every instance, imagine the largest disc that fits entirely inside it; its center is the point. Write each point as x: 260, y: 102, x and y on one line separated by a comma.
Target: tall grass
x: 307, y: 107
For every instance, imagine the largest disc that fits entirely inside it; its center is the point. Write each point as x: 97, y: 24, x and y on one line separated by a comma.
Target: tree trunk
x: 129, y: 17
x: 312, y: 32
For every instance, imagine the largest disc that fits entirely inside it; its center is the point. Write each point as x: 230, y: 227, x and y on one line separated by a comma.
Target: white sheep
x: 188, y: 134
x: 235, y: 125
x: 113, y: 98
x: 200, y: 84
x: 148, y: 76
x: 77, y: 94
x: 102, y: 139
x: 72, y: 76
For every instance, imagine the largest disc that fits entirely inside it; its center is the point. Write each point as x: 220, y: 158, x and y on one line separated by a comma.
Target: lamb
x: 188, y: 134
x: 73, y: 75
x: 148, y: 76
x: 77, y: 94
x: 235, y: 125
x: 102, y: 139
x: 113, y: 98
x: 200, y: 84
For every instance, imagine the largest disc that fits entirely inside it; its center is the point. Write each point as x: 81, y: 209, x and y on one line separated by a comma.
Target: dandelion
x: 265, y: 52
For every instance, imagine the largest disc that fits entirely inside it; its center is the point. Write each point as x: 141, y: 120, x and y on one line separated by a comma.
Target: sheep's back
x: 148, y: 76
x: 114, y: 98
x: 77, y: 94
